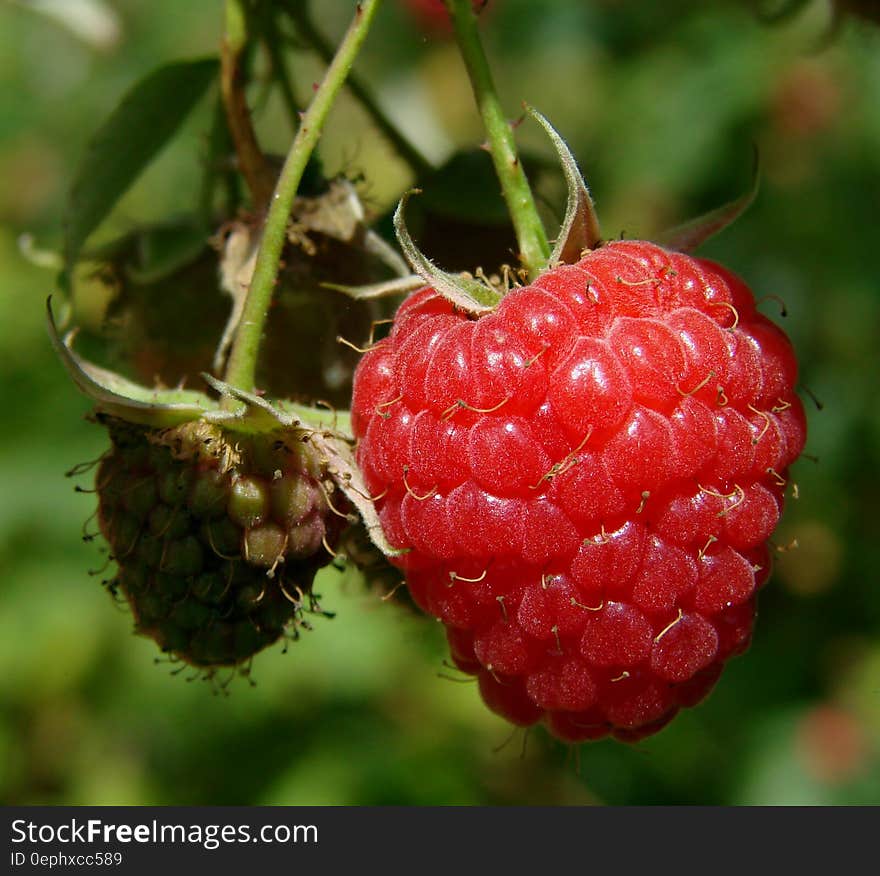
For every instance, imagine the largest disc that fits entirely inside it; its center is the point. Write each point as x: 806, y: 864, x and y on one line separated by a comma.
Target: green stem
x: 338, y: 421
x: 420, y: 165
x: 235, y: 26
x: 533, y: 244
x: 242, y: 366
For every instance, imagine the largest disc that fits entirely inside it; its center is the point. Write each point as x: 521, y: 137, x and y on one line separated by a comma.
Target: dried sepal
x: 379, y: 248
x: 237, y: 265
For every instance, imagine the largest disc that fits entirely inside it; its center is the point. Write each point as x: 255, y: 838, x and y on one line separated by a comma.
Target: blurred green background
x: 662, y: 103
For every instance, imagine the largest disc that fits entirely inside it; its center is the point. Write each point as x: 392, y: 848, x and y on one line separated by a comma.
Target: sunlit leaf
x: 144, y: 121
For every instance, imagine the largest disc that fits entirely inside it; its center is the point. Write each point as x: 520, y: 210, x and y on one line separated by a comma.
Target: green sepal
x: 397, y: 286
x: 580, y: 226
x: 115, y: 395
x: 338, y: 456
x: 259, y: 414
x: 464, y: 292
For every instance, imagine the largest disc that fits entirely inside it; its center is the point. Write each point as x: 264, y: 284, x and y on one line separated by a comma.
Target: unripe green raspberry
x: 217, y: 535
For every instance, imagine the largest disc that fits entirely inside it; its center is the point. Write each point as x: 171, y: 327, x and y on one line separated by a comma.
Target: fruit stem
x: 254, y: 166
x: 301, y: 14
x: 242, y: 365
x: 530, y: 234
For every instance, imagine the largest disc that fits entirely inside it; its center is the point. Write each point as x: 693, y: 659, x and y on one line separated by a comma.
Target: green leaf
x: 129, y: 139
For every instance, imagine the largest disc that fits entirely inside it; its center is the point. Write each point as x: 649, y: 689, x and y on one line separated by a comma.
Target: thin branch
x: 242, y: 363
x: 253, y: 164
x: 300, y: 13
x: 530, y: 234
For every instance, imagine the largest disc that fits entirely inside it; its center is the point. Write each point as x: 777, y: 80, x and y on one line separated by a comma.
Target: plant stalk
x: 252, y: 162
x: 301, y: 14
x: 241, y: 368
x: 530, y: 234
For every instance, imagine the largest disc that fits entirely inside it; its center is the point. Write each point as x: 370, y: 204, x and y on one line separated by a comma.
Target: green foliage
x: 126, y: 142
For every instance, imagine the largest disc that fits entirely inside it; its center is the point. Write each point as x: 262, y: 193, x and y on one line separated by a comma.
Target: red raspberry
x: 583, y: 481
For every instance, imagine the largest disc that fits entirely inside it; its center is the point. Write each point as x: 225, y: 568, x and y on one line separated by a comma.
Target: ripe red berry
x: 583, y: 481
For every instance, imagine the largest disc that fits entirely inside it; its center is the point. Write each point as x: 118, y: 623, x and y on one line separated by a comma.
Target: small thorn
x: 780, y: 406
x: 332, y: 507
x: 392, y: 591
x: 702, y: 551
x: 364, y: 495
x: 379, y: 408
x: 780, y: 480
x: 785, y: 548
x: 563, y: 465
x: 738, y: 493
x: 373, y: 326
x: 783, y: 310
x: 529, y: 362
